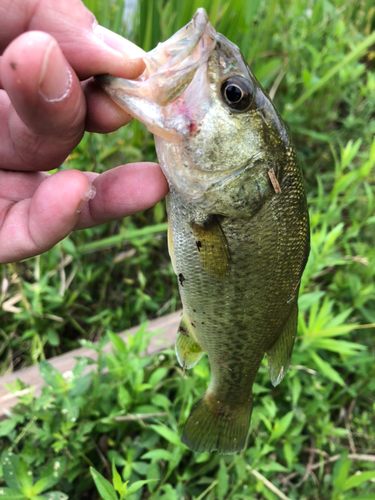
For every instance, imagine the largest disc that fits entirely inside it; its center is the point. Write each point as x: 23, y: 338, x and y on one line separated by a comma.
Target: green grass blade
x: 131, y: 234
x: 352, y: 56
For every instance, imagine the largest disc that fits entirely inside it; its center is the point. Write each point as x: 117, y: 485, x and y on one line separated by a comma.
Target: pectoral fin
x: 188, y: 350
x: 279, y: 354
x: 213, y: 247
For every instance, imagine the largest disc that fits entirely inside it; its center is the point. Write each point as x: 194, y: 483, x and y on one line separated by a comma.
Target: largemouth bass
x: 238, y: 219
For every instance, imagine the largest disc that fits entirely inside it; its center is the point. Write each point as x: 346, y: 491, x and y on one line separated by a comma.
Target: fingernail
x: 55, y: 79
x: 118, y: 43
x: 87, y: 196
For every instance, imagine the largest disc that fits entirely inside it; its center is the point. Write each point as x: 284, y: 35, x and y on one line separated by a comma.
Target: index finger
x: 89, y: 48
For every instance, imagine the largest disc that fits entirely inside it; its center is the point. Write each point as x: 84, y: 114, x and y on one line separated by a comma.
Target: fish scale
x: 238, y: 221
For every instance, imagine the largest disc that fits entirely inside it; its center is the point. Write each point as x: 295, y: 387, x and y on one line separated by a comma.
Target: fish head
x: 216, y: 131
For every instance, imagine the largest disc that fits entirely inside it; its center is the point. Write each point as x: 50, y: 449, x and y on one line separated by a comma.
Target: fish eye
x: 237, y: 93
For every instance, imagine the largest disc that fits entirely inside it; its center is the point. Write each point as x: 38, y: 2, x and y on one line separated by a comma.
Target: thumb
x: 89, y: 48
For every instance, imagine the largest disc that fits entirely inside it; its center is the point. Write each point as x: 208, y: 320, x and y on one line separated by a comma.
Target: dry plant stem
x: 222, y: 364
x: 303, y: 368
x: 309, y: 463
x: 269, y: 485
x: 351, y: 456
x: 274, y: 181
x: 207, y: 490
x: 279, y: 77
x: 350, y: 435
x: 139, y: 416
x: 101, y: 456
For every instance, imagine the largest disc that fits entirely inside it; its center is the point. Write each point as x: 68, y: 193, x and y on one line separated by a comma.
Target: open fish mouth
x: 170, y: 68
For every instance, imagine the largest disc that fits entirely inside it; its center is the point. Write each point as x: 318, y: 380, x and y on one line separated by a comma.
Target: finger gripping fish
x: 238, y: 221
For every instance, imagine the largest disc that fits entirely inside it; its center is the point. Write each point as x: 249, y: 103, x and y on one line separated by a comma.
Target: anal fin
x: 279, y: 354
x: 188, y: 350
x: 212, y: 246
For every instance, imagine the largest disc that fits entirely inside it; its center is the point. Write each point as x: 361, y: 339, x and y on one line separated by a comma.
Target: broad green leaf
x: 104, y: 487
x: 138, y: 485
x: 161, y: 401
x: 306, y: 300
x: 339, y: 319
x: 266, y: 448
x: 203, y: 457
x: 296, y: 390
x: 266, y: 422
x: 357, y: 479
x: 10, y: 467
x: 169, y: 493
x: 80, y: 366
x: 7, y: 426
x: 53, y: 337
x: 222, y: 481
x: 118, y: 343
x: 167, y: 434
x: 369, y: 496
x: 340, y: 346
x: 326, y: 369
x: 11, y: 494
x: 158, y: 455
x: 333, y: 332
x: 51, y: 376
x: 340, y: 472
x: 157, y: 375
x: 273, y: 467
x: 153, y: 472
x: 281, y: 426
x: 289, y: 455
x: 241, y: 470
x: 80, y: 385
x: 242, y: 496
x: 56, y: 495
x: 24, y: 474
x: 50, y: 476
x: 140, y: 467
x: 70, y: 409
x: 116, y: 478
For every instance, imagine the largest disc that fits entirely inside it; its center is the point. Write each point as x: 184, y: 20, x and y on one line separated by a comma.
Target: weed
x: 313, y: 437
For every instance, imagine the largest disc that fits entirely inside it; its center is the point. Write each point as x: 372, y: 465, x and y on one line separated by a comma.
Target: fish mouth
x: 170, y: 68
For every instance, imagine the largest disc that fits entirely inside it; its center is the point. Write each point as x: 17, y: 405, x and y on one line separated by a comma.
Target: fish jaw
x: 170, y: 68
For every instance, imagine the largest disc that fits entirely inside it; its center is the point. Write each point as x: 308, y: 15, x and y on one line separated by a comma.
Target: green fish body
x: 238, y: 220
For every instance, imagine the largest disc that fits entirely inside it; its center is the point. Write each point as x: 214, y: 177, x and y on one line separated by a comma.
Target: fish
x: 238, y: 221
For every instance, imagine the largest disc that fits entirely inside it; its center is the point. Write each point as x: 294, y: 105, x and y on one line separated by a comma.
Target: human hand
x: 47, y: 48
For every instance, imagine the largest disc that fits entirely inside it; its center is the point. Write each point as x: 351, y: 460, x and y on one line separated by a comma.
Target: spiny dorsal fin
x: 212, y: 246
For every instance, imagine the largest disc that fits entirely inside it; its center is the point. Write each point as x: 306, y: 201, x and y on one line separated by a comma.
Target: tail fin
x: 218, y: 427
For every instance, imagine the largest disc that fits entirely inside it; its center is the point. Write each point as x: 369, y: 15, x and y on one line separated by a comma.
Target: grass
x: 313, y: 437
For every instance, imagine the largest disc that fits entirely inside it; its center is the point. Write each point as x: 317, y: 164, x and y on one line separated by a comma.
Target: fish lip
x: 199, y: 24
x: 170, y: 68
